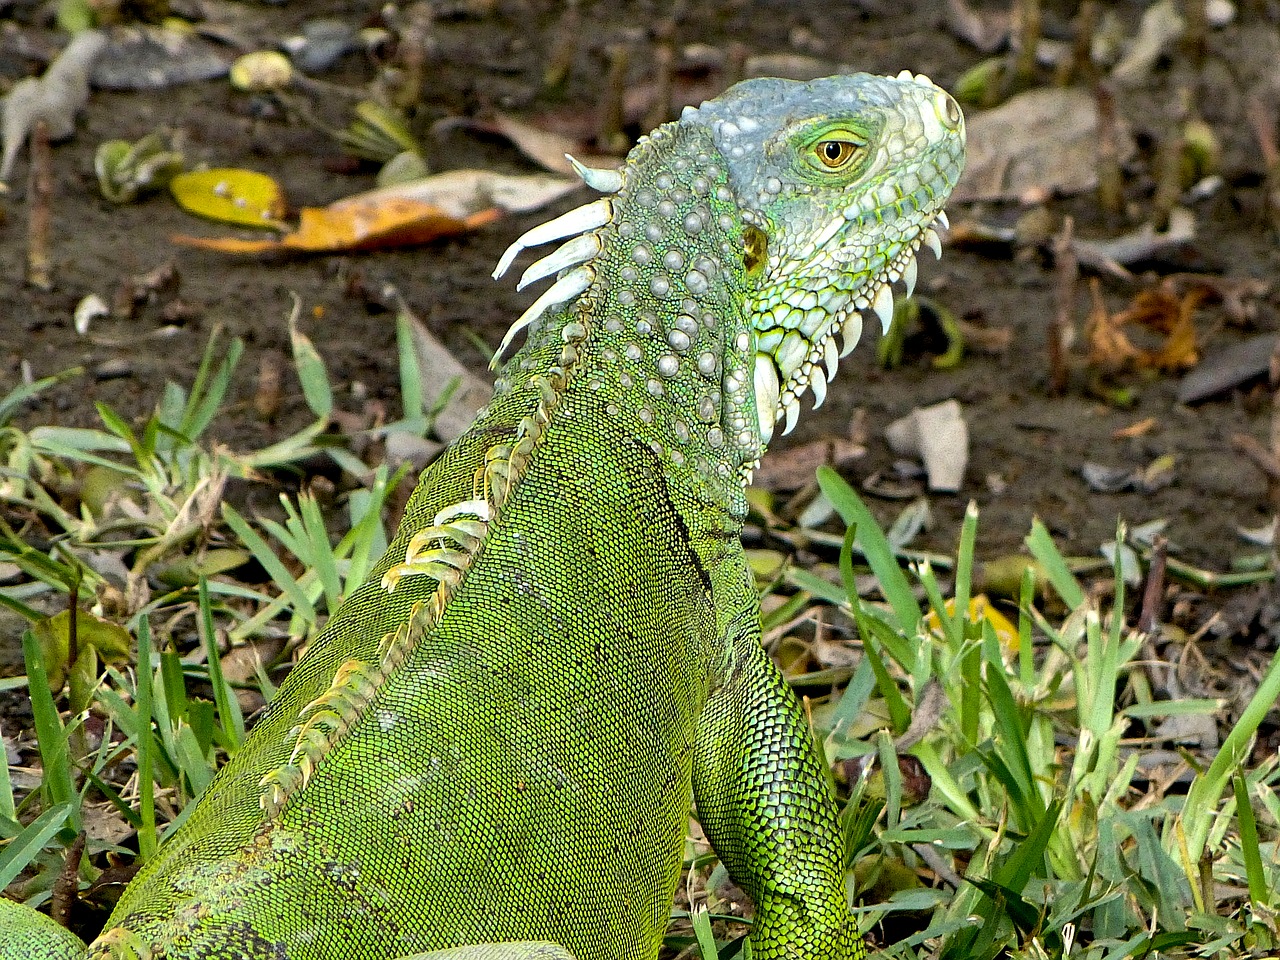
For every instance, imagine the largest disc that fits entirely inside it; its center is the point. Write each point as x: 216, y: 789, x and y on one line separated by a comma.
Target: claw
x: 573, y: 252
x: 768, y: 391
x: 831, y: 358
x: 793, y: 415
x: 851, y: 331
x: 579, y: 220
x: 818, y: 383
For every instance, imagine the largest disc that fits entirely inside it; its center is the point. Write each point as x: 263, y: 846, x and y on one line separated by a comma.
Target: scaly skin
x: 498, y: 736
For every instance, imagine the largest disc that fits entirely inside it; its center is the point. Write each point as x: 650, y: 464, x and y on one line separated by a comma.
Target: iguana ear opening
x: 755, y: 253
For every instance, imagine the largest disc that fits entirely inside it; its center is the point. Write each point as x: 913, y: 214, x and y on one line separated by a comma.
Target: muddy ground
x: 1028, y: 447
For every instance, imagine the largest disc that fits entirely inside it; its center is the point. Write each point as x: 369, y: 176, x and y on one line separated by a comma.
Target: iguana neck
x: 661, y: 335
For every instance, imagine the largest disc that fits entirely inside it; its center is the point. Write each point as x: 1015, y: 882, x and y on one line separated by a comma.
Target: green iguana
x: 496, y: 740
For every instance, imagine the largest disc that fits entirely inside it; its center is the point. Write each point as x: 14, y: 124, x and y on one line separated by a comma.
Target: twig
x: 415, y: 47
x: 1153, y: 589
x: 1168, y: 172
x: 664, y: 58
x: 612, y: 138
x: 564, y: 47
x: 1273, y: 485
x: 39, y: 206
x: 1027, y: 16
x: 67, y: 884
x: 1079, y: 66
x: 1195, y: 37
x: 1262, y: 458
x: 1066, y: 269
x: 1110, y: 181
x: 735, y: 63
x: 1262, y: 121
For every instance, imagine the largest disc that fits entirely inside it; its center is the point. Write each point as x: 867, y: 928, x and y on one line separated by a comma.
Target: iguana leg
x: 765, y: 805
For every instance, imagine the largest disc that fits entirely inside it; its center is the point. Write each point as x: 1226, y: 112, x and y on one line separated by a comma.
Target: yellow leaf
x: 980, y: 608
x: 241, y: 197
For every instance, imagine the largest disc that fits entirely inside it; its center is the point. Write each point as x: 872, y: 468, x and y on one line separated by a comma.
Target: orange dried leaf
x: 1138, y: 429
x: 245, y: 198
x: 1109, y: 347
x: 1178, y: 352
x: 395, y: 222
x: 1160, y: 310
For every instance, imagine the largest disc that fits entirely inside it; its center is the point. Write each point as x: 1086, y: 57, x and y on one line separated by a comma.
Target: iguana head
x: 840, y: 181
x: 736, y: 244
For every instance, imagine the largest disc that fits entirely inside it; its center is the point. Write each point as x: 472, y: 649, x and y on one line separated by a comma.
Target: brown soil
x: 1027, y: 447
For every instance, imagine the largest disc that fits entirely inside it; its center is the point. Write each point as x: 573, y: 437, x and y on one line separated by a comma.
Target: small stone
x: 114, y: 369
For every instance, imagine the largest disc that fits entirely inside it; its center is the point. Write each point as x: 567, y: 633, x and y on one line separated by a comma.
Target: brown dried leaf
x: 548, y: 149
x: 793, y: 468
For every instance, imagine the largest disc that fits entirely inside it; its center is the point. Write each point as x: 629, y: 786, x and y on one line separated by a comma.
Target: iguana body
x: 498, y: 736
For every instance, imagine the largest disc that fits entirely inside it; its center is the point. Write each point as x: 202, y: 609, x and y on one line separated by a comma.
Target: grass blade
x: 26, y: 846
x: 145, y: 745
x: 52, y: 735
x: 875, y: 546
x: 229, y: 714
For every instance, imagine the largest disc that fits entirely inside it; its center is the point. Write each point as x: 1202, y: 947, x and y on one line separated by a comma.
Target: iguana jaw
x: 787, y: 363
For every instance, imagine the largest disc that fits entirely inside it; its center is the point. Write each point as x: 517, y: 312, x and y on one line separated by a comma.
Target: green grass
x: 991, y: 757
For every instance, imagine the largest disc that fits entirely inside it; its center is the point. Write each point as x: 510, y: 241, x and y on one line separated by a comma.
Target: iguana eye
x: 835, y: 154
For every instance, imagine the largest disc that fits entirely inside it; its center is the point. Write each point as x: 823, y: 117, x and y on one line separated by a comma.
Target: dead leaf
x: 980, y: 608
x: 1143, y: 244
x: 244, y: 198
x: 544, y: 147
x: 986, y: 30
x: 1104, y: 479
x: 1138, y: 429
x: 1042, y: 141
x: 794, y: 467
x: 1159, y: 473
x: 937, y: 435
x: 1235, y: 365
x: 153, y: 57
x: 1110, y: 349
x: 462, y: 193
x: 1178, y: 352
x: 396, y: 223
x: 442, y: 371
x: 1160, y: 28
x: 1160, y: 310
x: 404, y: 214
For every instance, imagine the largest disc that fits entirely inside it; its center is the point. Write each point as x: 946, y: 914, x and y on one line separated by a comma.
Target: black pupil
x: 834, y: 150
